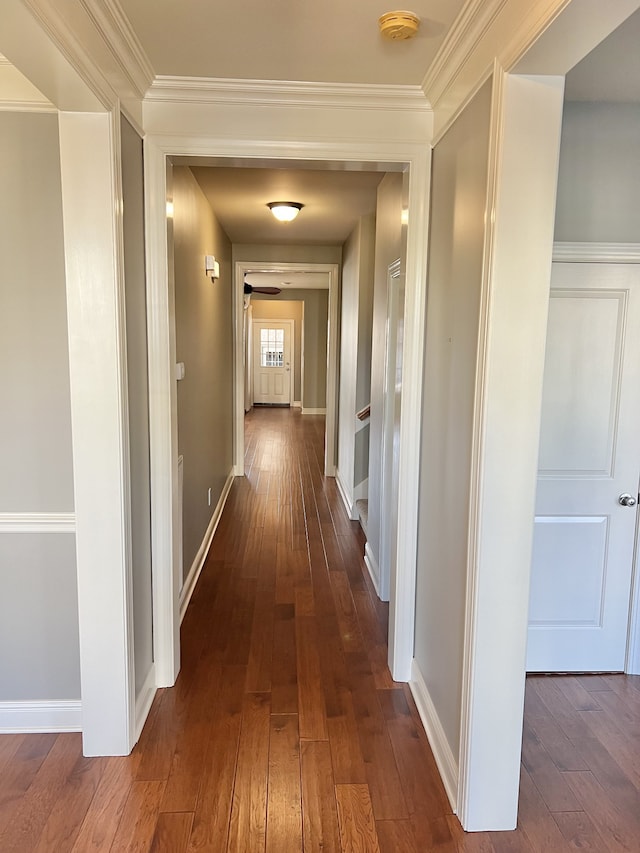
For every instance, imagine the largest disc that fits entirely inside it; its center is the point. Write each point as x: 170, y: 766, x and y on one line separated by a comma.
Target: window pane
x: 271, y: 347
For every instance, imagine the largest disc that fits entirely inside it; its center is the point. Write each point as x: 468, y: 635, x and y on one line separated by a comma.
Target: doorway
x: 272, y: 362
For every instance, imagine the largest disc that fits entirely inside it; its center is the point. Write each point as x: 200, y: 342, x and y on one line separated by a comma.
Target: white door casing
x: 391, y: 426
x: 273, y: 356
x: 589, y: 455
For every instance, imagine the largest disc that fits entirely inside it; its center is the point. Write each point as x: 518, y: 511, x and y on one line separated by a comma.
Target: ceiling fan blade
x: 269, y: 291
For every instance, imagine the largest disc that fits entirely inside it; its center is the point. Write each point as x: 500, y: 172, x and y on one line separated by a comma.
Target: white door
x: 589, y: 457
x: 272, y: 362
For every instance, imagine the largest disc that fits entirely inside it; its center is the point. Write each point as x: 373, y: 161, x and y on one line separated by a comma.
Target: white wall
x: 204, y: 329
x: 599, y: 177
x: 459, y: 192
x: 388, y: 245
x: 38, y: 595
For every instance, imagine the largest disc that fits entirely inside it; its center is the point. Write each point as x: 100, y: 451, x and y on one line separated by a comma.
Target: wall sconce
x: 285, y: 211
x: 211, y: 267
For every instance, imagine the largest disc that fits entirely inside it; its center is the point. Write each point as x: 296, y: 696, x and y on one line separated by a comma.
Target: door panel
x: 589, y: 454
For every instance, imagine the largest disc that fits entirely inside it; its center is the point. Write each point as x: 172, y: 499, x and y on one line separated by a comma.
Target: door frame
x: 375, y: 152
x: 258, y: 321
x: 241, y: 270
x: 387, y: 497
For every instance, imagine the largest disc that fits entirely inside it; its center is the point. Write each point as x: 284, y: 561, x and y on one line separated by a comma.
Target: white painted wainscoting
x: 29, y: 716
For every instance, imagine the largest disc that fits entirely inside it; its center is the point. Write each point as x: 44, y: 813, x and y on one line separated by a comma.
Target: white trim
x: 347, y: 500
x: 291, y: 324
x: 369, y: 148
x: 9, y: 106
x: 372, y: 568
x: 435, y: 735
x: 37, y: 522
x: 526, y: 123
x: 632, y: 662
x: 241, y: 269
x: 597, y: 253
x: 296, y: 404
x: 121, y: 40
x: 352, y: 96
x: 33, y: 717
x: 388, y: 495
x: 198, y: 563
x: 461, y: 39
x: 144, y: 700
x: 90, y: 154
x: 166, y: 520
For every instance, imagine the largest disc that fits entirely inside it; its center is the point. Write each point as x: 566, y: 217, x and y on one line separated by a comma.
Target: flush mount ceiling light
x: 285, y: 211
x: 398, y: 26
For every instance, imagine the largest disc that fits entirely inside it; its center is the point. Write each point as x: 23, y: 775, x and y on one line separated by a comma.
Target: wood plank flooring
x: 285, y: 732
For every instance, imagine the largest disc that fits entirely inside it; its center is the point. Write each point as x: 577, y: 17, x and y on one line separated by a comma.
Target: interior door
x: 272, y: 363
x: 589, y: 460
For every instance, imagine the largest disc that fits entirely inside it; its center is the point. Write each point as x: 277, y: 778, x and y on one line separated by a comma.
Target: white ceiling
x: 331, y: 41
x: 289, y: 280
x: 333, y: 201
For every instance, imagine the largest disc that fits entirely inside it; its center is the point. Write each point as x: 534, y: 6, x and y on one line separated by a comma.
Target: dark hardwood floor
x: 285, y: 731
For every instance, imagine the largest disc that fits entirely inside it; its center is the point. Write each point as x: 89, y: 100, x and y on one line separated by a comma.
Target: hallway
x: 285, y: 732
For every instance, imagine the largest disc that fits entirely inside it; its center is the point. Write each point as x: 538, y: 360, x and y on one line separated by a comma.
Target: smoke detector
x: 398, y: 26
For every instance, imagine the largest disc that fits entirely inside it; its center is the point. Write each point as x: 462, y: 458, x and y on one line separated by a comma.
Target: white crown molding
x: 37, y: 522
x: 597, y: 253
x: 110, y: 20
x: 467, y: 30
x: 72, y: 49
x: 211, y: 90
x: 4, y: 60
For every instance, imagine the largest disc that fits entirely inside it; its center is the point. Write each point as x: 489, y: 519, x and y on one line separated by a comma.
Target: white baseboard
x: 347, y: 500
x: 435, y: 734
x: 308, y: 411
x: 144, y: 700
x: 32, y: 717
x: 196, y: 567
x: 296, y: 404
x: 372, y: 567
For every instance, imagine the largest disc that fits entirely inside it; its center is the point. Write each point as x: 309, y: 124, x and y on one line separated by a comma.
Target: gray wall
x: 459, y: 189
x: 204, y: 342
x: 38, y: 597
x: 599, y: 175
x: 138, y: 398
x: 388, y: 248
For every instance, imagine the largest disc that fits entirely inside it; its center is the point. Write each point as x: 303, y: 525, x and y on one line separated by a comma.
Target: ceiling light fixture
x: 285, y: 211
x: 398, y: 26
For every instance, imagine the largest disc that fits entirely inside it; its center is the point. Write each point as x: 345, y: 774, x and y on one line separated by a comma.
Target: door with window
x: 272, y: 362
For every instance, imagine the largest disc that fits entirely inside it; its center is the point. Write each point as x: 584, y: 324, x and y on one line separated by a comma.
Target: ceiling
x: 298, y: 40
x: 289, y: 280
x: 333, y: 202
